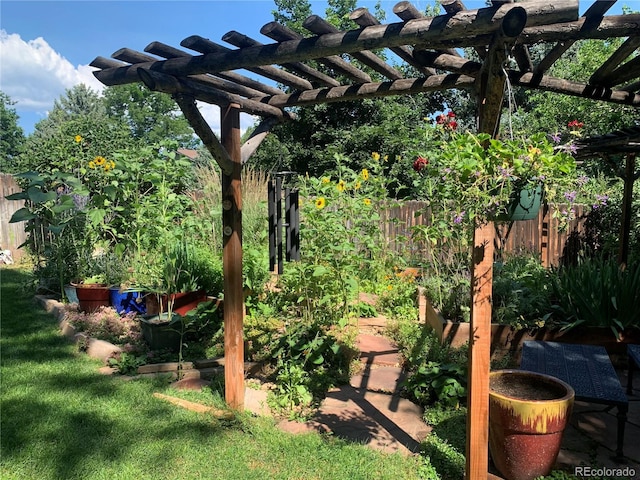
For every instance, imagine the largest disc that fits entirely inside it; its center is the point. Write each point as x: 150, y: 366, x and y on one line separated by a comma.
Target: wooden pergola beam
x: 363, y: 17
x: 431, y: 31
x: 370, y: 90
x: 190, y: 110
x: 320, y: 26
x: 627, y: 48
x: 167, y: 51
x: 206, y: 46
x: 281, y: 33
x: 242, y: 41
x: 566, y: 87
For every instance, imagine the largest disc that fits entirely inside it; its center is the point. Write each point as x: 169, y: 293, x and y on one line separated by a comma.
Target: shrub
x: 596, y: 292
x: 106, y: 324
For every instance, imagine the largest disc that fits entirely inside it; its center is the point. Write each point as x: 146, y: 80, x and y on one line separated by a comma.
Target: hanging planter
x: 525, y: 205
x: 528, y: 413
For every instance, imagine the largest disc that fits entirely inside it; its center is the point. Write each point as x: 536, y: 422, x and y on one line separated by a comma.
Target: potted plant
x: 528, y: 413
x: 471, y: 178
x: 175, y: 292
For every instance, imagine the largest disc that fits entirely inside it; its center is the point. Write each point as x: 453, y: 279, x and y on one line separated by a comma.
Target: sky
x: 46, y: 46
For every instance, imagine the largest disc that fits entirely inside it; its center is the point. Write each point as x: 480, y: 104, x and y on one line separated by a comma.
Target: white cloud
x: 34, y: 75
x: 211, y: 114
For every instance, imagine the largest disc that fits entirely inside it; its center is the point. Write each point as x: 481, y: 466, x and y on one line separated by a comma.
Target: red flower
x: 453, y: 124
x: 441, y: 119
x: 575, y: 124
x: 450, y: 114
x: 420, y: 164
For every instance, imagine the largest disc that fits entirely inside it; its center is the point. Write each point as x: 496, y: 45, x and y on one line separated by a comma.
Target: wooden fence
x: 12, y: 235
x: 541, y: 235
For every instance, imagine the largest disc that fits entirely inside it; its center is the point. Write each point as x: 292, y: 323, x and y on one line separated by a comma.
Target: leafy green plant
x: 126, y: 363
x: 596, y: 292
x: 436, y: 382
x: 521, y: 291
x: 293, y: 388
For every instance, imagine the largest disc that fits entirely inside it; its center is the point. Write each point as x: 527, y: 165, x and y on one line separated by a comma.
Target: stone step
x: 377, y: 350
x: 379, y: 379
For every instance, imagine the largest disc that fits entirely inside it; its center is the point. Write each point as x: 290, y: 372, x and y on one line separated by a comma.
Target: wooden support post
x: 477, y: 465
x: 490, y: 92
x: 625, y: 227
x: 232, y: 260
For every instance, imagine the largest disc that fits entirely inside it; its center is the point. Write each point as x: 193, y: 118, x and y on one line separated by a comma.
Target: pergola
x: 501, y: 35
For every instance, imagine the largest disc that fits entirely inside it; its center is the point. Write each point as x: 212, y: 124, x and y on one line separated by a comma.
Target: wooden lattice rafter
x: 500, y: 37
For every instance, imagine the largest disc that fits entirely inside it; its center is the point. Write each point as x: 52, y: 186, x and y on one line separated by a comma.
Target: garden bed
x: 506, y: 339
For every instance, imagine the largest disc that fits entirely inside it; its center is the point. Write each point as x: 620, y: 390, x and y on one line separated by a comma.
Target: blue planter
x: 127, y: 301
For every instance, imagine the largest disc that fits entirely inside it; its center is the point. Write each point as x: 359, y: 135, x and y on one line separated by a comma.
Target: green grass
x: 61, y: 419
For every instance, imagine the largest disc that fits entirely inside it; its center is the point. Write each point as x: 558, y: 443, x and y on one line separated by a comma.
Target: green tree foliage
x: 355, y: 129
x: 11, y: 135
x: 78, y: 119
x: 150, y: 116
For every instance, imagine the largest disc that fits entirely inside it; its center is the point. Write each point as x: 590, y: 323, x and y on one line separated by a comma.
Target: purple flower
x: 582, y: 180
x: 570, y: 196
x: 555, y: 137
x: 458, y: 218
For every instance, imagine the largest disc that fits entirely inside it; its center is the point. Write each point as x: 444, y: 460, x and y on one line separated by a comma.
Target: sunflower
x: 325, y: 180
x: 357, y: 186
x: 367, y: 201
x: 365, y: 174
x: 320, y: 203
x: 341, y: 186
x: 375, y: 156
x: 92, y: 165
x: 99, y: 161
x: 77, y: 138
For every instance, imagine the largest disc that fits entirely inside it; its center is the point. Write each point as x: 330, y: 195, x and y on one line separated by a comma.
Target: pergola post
x: 491, y: 85
x: 232, y: 260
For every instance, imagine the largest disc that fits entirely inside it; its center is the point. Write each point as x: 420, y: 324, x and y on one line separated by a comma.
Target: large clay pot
x: 528, y: 413
x: 92, y: 296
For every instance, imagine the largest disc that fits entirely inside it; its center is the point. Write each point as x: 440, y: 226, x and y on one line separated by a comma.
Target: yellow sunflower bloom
x: 357, y: 186
x: 99, y: 161
x: 375, y: 156
x: 320, y: 203
x: 367, y: 202
x: 365, y: 174
x: 341, y: 186
x: 325, y: 180
x: 77, y: 138
x: 92, y: 165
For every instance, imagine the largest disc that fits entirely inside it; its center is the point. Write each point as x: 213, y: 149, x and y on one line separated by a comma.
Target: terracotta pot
x: 528, y: 413
x: 92, y: 296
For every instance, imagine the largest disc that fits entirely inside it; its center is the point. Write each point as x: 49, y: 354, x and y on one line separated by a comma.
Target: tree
x: 150, y: 116
x: 76, y: 130
x: 11, y: 135
x: 355, y: 129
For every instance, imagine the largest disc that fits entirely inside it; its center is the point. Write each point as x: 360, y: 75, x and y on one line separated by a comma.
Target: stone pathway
x: 369, y: 409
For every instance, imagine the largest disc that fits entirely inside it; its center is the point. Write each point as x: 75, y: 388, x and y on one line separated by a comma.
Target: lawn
x: 61, y: 419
